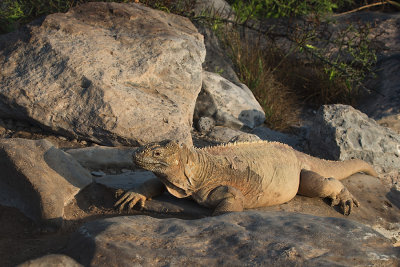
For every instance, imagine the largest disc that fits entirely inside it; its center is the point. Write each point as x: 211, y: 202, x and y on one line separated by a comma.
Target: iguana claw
x: 346, y: 201
x: 130, y: 198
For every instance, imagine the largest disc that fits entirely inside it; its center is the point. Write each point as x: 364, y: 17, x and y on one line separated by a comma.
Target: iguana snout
x: 165, y: 160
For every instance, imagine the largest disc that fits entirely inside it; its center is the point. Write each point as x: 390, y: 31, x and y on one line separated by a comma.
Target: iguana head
x: 167, y: 160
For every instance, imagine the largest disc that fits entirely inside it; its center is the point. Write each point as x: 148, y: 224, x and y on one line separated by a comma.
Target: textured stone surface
x: 222, y: 134
x: 205, y: 124
x: 39, y: 179
x: 109, y: 72
x: 213, y: 7
x: 265, y: 133
x: 341, y: 132
x: 229, y: 104
x: 58, y: 260
x: 235, y: 239
x: 217, y: 58
x: 99, y: 157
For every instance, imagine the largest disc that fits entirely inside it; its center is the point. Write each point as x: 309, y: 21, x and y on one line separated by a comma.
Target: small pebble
x: 98, y: 173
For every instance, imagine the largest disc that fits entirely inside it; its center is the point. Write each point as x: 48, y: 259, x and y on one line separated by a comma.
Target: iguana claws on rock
x: 239, y: 176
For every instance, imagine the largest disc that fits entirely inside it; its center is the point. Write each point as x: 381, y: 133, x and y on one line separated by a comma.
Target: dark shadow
x: 81, y: 245
x: 163, y: 206
x: 23, y: 34
x: 394, y: 197
x: 16, y: 191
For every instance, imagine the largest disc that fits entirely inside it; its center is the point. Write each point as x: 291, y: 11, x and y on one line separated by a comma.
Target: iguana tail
x: 337, y: 169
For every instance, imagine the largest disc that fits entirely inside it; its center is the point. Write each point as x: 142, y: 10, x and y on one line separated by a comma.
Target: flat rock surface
x: 98, y: 157
x: 236, y: 239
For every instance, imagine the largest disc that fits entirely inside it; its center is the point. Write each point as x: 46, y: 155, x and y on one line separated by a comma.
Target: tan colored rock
x: 110, y: 72
x: 58, y: 260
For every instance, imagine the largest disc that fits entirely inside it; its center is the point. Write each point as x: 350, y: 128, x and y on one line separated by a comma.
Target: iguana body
x: 239, y: 176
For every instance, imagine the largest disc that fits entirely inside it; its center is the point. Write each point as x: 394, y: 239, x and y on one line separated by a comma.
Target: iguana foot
x: 130, y: 198
x: 346, y: 201
x: 314, y: 185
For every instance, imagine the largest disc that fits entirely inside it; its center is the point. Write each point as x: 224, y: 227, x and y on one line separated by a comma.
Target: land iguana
x: 239, y: 176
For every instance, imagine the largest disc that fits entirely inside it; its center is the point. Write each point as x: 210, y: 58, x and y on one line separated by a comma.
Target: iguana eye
x: 156, y: 153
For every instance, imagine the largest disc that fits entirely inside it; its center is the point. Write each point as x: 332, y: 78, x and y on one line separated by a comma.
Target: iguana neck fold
x: 199, y: 169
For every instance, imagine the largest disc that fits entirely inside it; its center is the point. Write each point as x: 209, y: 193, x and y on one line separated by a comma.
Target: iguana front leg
x: 149, y: 189
x: 314, y: 185
x: 225, y: 199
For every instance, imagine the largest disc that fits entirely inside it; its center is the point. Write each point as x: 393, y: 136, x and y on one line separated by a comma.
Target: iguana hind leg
x: 314, y: 185
x: 226, y: 199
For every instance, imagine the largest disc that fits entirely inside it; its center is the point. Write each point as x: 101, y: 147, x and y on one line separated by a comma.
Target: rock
x: 3, y: 131
x: 80, y: 65
x: 223, y: 134
x: 245, y: 137
x: 341, y: 132
x: 102, y: 157
x: 234, y: 239
x: 126, y: 180
x: 218, y: 8
x: 265, y: 133
x: 391, y: 121
x: 230, y: 105
x: 58, y: 260
x: 394, y: 195
x: 205, y: 125
x: 217, y: 59
x: 39, y: 179
x: 97, y: 173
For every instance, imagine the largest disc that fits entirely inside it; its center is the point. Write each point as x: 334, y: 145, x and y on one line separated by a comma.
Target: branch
x: 368, y: 6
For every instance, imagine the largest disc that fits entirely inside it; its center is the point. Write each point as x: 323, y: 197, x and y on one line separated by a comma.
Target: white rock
x: 229, y: 104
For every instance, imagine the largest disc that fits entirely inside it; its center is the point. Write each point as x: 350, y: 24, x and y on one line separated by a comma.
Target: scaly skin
x: 240, y: 176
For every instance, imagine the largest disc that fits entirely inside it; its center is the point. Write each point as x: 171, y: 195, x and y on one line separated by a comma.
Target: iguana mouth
x: 145, y: 162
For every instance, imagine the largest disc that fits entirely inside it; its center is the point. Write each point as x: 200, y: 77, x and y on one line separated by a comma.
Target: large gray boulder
x: 235, y: 239
x: 341, y: 132
x: 39, y: 179
x: 229, y: 104
x: 109, y: 72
